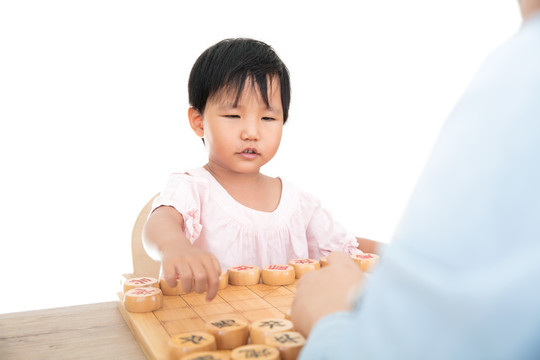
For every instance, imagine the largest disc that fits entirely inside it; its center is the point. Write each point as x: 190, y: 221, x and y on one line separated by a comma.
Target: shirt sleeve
x: 324, y: 234
x: 186, y: 194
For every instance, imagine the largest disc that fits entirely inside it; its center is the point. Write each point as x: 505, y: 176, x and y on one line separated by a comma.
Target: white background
x: 93, y: 105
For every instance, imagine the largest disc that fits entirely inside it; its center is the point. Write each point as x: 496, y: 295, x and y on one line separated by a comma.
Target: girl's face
x: 241, y: 138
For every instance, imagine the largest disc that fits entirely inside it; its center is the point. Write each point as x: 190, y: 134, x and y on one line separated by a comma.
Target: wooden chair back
x: 143, y: 264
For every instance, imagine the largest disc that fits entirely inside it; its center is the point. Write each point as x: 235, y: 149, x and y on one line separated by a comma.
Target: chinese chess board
x: 190, y: 312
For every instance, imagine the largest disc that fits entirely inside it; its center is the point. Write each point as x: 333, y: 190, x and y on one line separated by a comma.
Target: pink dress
x: 238, y: 235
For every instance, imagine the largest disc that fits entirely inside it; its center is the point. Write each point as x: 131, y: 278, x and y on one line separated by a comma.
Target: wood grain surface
x: 95, y: 331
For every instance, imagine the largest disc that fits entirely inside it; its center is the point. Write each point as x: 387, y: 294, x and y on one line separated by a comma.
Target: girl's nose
x: 250, y: 129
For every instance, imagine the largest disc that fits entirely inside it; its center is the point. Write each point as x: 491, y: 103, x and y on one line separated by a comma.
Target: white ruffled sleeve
x: 325, y: 235
x: 186, y: 194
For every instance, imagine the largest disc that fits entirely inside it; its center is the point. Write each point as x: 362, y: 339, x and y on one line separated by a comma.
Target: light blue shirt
x: 461, y: 279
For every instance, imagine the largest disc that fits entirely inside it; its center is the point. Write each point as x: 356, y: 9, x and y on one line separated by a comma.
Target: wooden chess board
x: 190, y: 312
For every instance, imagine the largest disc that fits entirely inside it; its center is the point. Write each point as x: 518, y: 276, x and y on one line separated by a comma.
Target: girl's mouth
x: 249, y: 153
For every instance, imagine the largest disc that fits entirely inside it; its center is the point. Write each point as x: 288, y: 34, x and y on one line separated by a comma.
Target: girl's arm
x: 368, y: 246
x: 164, y: 239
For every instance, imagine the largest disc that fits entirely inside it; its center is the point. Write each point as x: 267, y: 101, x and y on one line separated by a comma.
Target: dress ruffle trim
x: 192, y: 224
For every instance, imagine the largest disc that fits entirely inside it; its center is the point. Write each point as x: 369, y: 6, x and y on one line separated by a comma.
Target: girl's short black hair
x: 227, y: 65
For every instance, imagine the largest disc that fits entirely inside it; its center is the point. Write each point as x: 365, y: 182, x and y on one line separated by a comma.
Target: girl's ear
x: 196, y: 121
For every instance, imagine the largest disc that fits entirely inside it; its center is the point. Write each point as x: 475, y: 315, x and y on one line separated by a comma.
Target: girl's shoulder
x: 195, y: 175
x: 184, y: 191
x: 299, y: 196
x: 192, y: 180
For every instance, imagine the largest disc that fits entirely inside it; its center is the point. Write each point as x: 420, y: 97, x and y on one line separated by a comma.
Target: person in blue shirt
x: 461, y: 277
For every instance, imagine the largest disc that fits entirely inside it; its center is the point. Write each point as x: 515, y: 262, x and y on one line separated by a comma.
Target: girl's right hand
x: 191, y: 265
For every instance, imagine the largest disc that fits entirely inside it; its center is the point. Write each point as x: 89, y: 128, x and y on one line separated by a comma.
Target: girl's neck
x: 254, y: 190
x: 233, y: 180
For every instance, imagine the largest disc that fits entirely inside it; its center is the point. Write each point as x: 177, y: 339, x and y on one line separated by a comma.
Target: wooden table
x: 95, y: 331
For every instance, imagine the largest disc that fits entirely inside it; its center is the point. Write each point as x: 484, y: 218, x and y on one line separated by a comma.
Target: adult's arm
x: 460, y: 278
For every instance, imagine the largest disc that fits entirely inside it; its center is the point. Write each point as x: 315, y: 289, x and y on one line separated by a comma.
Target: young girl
x: 227, y: 212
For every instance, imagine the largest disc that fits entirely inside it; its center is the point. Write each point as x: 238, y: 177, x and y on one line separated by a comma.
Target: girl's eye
x: 232, y: 116
x: 267, y: 118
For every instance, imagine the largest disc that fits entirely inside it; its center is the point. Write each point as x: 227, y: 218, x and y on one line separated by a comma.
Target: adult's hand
x: 325, y: 291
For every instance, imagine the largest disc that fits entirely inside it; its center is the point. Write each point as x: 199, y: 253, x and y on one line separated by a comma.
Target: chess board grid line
x: 151, y: 331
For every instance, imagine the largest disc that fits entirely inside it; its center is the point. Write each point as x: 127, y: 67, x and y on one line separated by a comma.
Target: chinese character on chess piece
x: 190, y: 342
x: 302, y: 266
x: 278, y: 275
x: 143, y: 299
x: 244, y: 275
x: 140, y: 282
x: 260, y: 329
x: 259, y: 352
x: 229, y: 333
x: 289, y: 343
x: 366, y: 261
